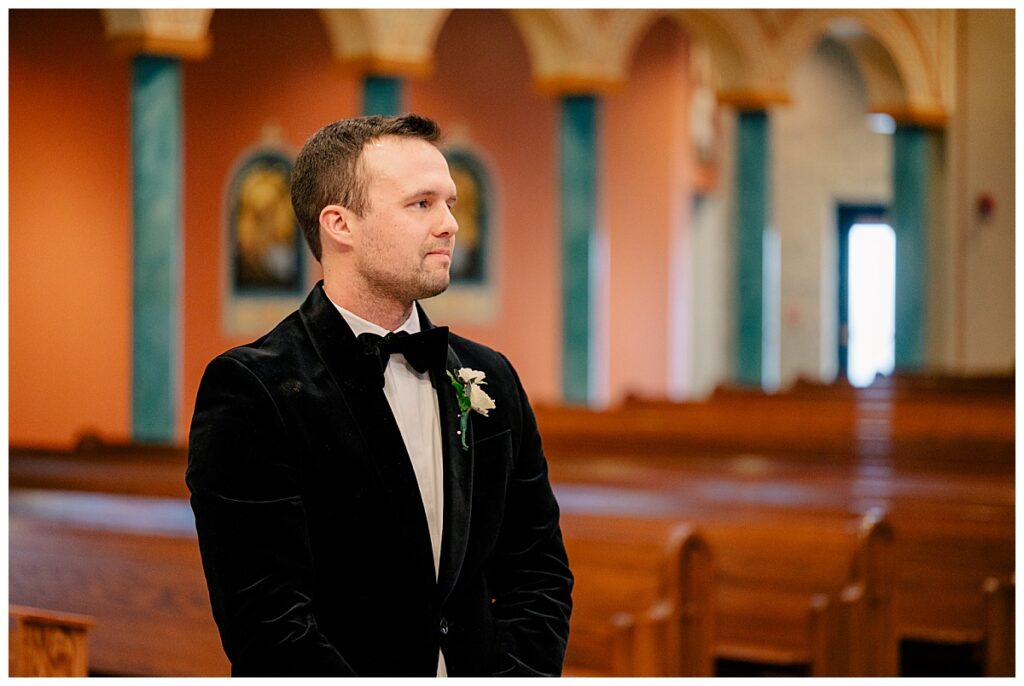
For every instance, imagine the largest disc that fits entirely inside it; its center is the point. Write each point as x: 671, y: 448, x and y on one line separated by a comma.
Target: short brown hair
x: 328, y: 172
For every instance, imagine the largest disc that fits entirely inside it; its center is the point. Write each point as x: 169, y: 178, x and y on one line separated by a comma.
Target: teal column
x: 752, y: 211
x: 916, y: 152
x: 578, y: 155
x: 382, y: 95
x: 157, y: 233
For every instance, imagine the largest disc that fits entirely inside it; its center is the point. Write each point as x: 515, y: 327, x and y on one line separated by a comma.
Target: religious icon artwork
x: 266, y: 268
x: 266, y: 245
x: 472, y: 296
x: 470, y: 261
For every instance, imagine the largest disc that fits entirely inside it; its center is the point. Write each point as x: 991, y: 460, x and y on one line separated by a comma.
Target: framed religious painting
x: 472, y: 295
x: 266, y: 272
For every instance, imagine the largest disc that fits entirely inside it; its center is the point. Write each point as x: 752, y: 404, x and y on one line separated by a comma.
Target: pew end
x: 1000, y: 629
x: 841, y: 636
x: 640, y: 642
x: 44, y: 643
x: 810, y: 592
x: 642, y: 597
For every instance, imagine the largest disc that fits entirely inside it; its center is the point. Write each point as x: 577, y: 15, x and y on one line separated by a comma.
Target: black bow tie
x: 424, y: 350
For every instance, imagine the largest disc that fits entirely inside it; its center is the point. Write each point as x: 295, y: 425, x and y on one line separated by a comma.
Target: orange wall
x: 482, y: 85
x: 295, y: 83
x: 266, y: 65
x: 276, y: 66
x: 643, y: 152
x: 70, y: 230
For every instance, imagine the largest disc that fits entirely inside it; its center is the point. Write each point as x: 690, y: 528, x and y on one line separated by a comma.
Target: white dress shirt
x: 414, y: 404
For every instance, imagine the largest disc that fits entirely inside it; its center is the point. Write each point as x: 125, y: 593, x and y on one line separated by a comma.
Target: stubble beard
x: 384, y: 281
x: 429, y: 285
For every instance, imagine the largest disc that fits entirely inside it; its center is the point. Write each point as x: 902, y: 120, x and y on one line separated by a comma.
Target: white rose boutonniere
x: 467, y: 383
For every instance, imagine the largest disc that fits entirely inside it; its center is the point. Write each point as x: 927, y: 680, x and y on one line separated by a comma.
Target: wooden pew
x: 935, y: 517
x: 919, y: 427
x: 1000, y: 629
x: 948, y: 536
x: 937, y: 453
x: 655, y: 429
x: 133, y: 469
x: 658, y: 476
x: 945, y: 495
x: 132, y: 563
x: 770, y: 572
x: 946, y: 554
x: 769, y: 569
x: 46, y: 643
x: 992, y: 385
x: 900, y: 386
x: 641, y: 600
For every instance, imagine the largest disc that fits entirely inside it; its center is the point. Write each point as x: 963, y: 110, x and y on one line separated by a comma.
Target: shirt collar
x: 360, y: 325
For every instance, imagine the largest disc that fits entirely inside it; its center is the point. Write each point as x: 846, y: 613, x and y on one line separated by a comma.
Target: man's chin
x: 434, y: 289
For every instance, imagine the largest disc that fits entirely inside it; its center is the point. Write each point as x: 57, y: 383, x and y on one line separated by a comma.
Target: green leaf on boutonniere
x: 464, y: 426
x: 460, y: 393
x: 470, y: 396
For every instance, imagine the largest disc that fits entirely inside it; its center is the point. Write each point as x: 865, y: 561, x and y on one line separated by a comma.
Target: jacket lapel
x: 458, y: 475
x: 374, y: 435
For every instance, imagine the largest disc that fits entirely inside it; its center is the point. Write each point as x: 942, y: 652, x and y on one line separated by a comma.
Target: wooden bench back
x: 770, y: 574
x: 641, y: 600
x: 769, y: 566
x: 947, y: 551
x: 834, y: 421
x: 128, y: 469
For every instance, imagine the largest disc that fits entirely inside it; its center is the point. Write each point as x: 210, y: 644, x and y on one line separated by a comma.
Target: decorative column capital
x: 181, y: 33
x: 579, y: 51
x: 384, y: 42
x: 754, y: 99
x: 927, y: 115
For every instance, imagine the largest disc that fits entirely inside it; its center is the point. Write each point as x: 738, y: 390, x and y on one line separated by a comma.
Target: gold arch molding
x: 752, y: 52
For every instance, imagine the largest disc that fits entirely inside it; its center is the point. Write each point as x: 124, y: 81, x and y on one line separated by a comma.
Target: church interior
x: 754, y: 267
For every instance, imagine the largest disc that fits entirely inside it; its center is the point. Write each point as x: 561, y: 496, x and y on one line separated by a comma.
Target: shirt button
x: 444, y: 626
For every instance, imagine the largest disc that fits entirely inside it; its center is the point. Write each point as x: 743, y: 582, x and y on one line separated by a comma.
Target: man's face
x: 403, y: 242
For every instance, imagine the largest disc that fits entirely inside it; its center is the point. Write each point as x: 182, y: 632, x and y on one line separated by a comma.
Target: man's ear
x: 335, y: 227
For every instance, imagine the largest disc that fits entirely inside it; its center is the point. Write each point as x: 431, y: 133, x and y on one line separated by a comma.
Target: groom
x: 369, y: 490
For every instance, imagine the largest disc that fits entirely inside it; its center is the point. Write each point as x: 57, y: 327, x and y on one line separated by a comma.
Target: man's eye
x: 422, y: 204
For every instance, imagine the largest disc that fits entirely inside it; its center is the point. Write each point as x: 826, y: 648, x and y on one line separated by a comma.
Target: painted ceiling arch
x: 739, y: 52
x: 578, y: 50
x: 875, y: 36
x: 753, y: 52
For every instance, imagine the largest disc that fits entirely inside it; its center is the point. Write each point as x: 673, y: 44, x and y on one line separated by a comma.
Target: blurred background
x: 738, y: 257
x: 690, y: 235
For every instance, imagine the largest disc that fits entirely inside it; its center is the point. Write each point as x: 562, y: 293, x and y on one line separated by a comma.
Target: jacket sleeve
x: 533, y: 583
x: 252, y: 529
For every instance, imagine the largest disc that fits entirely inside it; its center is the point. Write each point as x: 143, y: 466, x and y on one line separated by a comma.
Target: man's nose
x: 449, y: 226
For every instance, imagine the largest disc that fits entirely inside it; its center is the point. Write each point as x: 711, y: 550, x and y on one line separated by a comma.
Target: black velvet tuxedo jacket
x: 311, y: 526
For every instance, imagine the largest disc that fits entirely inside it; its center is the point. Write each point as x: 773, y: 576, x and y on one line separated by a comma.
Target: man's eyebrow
x: 426, y: 192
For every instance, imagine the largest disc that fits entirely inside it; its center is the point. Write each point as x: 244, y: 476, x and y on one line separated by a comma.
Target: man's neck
x: 388, y: 314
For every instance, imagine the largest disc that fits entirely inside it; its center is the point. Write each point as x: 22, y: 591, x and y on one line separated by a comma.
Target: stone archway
x: 895, y: 53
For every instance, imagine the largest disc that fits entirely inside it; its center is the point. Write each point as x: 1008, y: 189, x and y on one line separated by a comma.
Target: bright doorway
x: 867, y: 293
